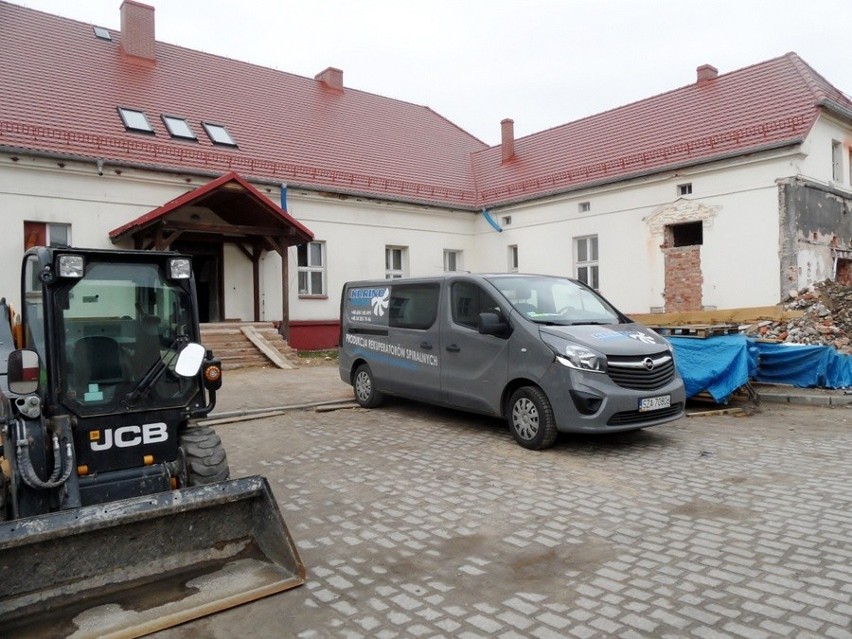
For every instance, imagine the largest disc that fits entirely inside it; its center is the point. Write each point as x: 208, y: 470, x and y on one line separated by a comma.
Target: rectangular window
x: 311, y: 261
x: 218, y: 134
x: 687, y: 234
x: 135, y: 120
x: 468, y: 300
x: 584, y: 207
x: 396, y: 262
x: 46, y: 234
x: 507, y: 220
x: 684, y: 189
x: 836, y: 161
x: 586, y: 260
x: 452, y: 260
x: 413, y: 306
x: 178, y: 127
x: 513, y: 258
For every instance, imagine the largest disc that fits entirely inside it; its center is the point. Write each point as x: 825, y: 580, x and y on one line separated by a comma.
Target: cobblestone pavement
x: 422, y: 522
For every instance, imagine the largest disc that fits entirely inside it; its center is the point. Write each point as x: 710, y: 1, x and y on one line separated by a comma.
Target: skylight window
x: 102, y: 33
x: 178, y: 127
x: 218, y: 134
x: 135, y: 120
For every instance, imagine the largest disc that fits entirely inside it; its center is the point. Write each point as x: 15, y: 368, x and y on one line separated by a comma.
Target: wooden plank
x: 265, y: 347
x: 721, y: 316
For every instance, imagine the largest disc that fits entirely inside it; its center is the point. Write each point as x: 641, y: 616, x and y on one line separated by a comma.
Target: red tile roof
x: 771, y: 104
x: 60, y: 87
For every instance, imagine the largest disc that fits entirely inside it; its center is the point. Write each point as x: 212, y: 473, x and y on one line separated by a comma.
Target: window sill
x: 302, y: 296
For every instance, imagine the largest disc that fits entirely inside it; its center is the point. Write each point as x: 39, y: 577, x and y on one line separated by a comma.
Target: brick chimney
x: 507, y: 142
x: 137, y: 31
x: 706, y: 73
x: 332, y: 78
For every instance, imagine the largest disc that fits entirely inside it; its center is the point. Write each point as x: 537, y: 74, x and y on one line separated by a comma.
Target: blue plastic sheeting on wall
x: 801, y: 365
x: 719, y: 365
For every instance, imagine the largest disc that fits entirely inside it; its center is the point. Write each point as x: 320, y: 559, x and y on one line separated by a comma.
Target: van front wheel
x: 530, y: 418
x: 365, y: 387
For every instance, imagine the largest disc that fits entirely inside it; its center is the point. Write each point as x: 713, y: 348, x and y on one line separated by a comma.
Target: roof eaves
x: 529, y: 197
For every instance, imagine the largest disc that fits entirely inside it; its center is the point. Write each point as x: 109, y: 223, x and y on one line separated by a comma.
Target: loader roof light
x: 71, y: 266
x: 180, y: 268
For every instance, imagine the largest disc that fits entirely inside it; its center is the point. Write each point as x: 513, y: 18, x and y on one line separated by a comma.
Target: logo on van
x: 380, y: 304
x: 642, y: 337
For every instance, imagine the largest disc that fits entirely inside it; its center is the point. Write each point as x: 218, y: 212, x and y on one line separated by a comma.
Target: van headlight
x: 582, y: 358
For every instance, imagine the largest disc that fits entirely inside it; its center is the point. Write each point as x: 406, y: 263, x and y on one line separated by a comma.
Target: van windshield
x: 555, y: 300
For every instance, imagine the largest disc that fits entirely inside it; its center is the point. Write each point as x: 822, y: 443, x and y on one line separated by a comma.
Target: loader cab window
x: 117, y: 323
x: 34, y: 309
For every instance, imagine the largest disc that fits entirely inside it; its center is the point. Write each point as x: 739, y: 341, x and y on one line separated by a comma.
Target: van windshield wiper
x: 589, y: 323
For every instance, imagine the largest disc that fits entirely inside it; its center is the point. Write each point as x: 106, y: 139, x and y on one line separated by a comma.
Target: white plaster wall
x: 740, y: 262
x: 816, y: 165
x: 41, y: 191
x: 356, y: 232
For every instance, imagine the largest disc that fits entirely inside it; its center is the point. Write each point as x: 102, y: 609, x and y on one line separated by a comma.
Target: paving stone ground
x: 415, y: 521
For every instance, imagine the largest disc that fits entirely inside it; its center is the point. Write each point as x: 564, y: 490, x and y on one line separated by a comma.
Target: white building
x: 724, y: 193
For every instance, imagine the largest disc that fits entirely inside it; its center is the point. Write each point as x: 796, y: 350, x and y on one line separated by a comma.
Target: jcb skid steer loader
x: 116, y: 516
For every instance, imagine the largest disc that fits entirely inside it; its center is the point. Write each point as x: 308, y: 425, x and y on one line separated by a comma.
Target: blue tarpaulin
x: 720, y: 365
x: 802, y: 365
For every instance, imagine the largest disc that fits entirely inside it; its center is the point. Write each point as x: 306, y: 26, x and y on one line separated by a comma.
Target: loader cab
x: 101, y: 322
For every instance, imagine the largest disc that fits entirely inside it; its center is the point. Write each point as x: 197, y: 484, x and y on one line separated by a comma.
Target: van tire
x: 531, y: 419
x: 364, y: 385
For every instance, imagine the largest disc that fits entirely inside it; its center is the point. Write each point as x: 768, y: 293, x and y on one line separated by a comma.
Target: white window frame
x: 584, y: 207
x: 513, y: 258
x: 135, y: 120
x: 306, y: 271
x: 395, y: 269
x: 587, y: 270
x: 452, y: 260
x: 684, y: 189
x: 836, y: 161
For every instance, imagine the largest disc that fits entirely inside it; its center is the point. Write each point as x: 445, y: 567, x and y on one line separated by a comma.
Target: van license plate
x: 655, y: 403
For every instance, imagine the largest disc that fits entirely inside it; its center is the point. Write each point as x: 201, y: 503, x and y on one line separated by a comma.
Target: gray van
x: 547, y: 353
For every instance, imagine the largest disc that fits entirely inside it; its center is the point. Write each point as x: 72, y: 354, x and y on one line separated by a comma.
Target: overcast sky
x: 540, y: 62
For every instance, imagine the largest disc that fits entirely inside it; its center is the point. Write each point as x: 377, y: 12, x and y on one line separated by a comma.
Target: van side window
x: 413, y: 305
x: 468, y: 301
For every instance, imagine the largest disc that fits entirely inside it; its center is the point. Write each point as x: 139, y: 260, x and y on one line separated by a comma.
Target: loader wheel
x: 365, y: 387
x: 206, y: 462
x: 531, y: 419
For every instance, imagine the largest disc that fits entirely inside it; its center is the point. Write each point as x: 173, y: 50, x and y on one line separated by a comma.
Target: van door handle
x: 426, y: 346
x: 453, y: 348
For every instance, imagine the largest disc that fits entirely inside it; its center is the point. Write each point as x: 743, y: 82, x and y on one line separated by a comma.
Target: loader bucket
x: 136, y: 566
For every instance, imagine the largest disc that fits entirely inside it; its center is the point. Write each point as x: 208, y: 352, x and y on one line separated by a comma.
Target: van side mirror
x: 23, y: 372
x: 494, y: 324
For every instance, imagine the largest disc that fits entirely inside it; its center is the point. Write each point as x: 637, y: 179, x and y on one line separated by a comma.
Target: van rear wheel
x: 531, y: 419
x: 365, y: 387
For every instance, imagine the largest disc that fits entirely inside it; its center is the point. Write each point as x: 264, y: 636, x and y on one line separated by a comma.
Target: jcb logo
x: 127, y: 436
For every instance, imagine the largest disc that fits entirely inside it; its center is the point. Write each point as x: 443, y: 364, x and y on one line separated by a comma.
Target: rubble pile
x: 827, y: 319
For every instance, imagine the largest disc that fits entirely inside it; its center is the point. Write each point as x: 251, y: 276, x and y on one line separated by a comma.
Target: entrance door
x: 207, y: 266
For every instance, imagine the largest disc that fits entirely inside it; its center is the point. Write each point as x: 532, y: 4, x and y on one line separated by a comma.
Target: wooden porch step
x: 248, y: 344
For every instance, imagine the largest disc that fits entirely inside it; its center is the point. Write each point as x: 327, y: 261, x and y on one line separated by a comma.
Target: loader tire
x: 206, y: 462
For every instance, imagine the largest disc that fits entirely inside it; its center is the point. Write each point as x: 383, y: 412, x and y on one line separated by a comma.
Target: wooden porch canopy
x: 246, y: 219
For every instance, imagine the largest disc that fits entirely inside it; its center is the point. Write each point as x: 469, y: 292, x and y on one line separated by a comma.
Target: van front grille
x: 641, y: 373
x: 640, y: 417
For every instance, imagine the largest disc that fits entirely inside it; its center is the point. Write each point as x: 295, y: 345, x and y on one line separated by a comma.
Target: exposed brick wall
x: 683, y: 278
x: 844, y: 272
